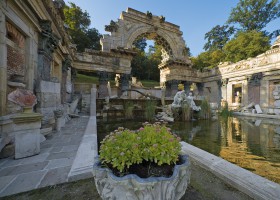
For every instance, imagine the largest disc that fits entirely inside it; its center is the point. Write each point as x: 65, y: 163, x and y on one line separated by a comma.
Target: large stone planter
x: 132, y: 187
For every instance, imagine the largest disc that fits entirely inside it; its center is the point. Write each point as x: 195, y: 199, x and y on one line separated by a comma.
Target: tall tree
x: 254, y: 14
x: 78, y: 22
x: 218, y: 37
x: 245, y: 45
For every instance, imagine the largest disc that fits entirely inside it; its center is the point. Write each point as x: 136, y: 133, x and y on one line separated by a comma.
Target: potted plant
x: 142, y: 164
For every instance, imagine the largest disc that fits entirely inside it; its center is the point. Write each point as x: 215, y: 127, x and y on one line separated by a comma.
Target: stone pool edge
x: 243, y: 180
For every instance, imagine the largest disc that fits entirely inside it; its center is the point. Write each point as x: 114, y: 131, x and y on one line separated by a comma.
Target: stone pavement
x: 50, y: 167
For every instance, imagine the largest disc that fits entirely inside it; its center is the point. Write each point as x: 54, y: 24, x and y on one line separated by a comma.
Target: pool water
x: 249, y: 143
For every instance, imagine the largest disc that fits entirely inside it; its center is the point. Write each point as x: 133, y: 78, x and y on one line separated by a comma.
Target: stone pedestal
x: 59, y: 123
x: 59, y: 119
x: 27, y: 134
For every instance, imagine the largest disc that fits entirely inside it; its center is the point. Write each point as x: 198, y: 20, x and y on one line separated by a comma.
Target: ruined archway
x: 133, y: 25
x: 118, y: 49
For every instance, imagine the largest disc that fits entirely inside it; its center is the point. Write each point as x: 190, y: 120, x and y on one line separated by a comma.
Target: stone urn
x: 133, y: 187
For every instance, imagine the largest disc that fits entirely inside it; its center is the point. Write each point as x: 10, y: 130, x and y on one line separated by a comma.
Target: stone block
x: 276, y: 97
x: 49, y: 100
x: 275, y: 92
x: 277, y: 103
x: 49, y: 87
x: 27, y: 143
x: 277, y: 111
x: 258, y: 109
x: 59, y: 123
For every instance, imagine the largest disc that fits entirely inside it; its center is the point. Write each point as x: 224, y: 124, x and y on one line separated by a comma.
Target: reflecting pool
x: 249, y: 143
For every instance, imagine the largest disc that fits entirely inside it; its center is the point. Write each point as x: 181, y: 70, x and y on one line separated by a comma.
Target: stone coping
x: 245, y: 181
x: 85, y: 157
x: 257, y: 115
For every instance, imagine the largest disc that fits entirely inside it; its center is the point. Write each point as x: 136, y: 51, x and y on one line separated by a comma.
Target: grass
x: 81, y: 78
x: 79, y: 190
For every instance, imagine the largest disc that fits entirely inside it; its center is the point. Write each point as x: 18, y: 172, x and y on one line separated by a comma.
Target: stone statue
x: 192, y: 103
x: 181, y: 97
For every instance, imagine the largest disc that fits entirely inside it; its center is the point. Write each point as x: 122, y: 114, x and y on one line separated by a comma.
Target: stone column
x: 104, y: 77
x: 3, y: 65
x: 223, y: 86
x: 200, y: 87
x: 31, y: 50
x: 187, y: 85
x: 47, y: 43
x: 66, y: 65
x: 168, y: 89
x: 93, y: 100
x: 174, y: 87
x: 125, y: 81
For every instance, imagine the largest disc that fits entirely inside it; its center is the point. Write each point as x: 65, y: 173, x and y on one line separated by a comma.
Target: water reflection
x: 251, y: 144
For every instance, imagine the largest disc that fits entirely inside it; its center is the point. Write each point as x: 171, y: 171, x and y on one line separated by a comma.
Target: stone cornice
x: 135, y: 15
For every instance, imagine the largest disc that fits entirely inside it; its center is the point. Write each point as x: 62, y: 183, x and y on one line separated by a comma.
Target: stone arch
x: 133, y: 24
x: 167, y: 51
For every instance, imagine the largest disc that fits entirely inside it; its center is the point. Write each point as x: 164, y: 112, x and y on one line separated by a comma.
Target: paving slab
x: 61, y: 155
x: 21, y: 169
x: 24, y: 182
x: 55, y: 176
x: 5, y: 180
x: 63, y: 162
x: 50, y: 167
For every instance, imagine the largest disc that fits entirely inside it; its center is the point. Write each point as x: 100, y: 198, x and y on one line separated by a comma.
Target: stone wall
x: 48, y: 94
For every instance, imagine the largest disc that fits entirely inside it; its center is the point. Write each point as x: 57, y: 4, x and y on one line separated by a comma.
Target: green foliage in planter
x: 150, y: 107
x: 153, y: 143
x: 128, y: 109
x: 205, y: 111
x: 158, y: 144
x: 120, y: 149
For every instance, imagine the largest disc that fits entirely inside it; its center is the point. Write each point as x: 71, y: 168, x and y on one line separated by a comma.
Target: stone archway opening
x: 166, y: 51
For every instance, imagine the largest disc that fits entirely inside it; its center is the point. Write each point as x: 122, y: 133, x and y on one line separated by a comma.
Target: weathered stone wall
x: 49, y: 99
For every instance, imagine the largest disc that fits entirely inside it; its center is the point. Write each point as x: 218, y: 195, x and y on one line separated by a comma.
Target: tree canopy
x: 254, y: 14
x: 245, y: 45
x: 78, y: 22
x: 245, y: 38
x: 218, y: 37
x: 145, y: 64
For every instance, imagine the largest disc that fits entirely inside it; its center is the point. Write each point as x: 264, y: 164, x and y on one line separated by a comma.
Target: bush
x: 153, y: 143
x: 150, y: 107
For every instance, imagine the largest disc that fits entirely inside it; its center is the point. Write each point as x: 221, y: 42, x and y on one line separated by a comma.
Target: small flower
x: 155, y: 145
x: 120, y: 128
x: 122, y: 153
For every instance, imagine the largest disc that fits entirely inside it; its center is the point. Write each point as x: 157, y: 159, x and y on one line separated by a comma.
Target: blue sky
x: 195, y: 17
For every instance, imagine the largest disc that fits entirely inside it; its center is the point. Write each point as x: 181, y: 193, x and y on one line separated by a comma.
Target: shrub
x: 205, y: 112
x: 153, y: 143
x: 128, y: 109
x: 150, y: 107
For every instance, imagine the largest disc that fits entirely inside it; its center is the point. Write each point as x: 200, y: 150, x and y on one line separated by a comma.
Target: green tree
x: 217, y: 37
x: 254, y: 14
x: 208, y: 59
x: 246, y: 45
x: 78, y: 22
